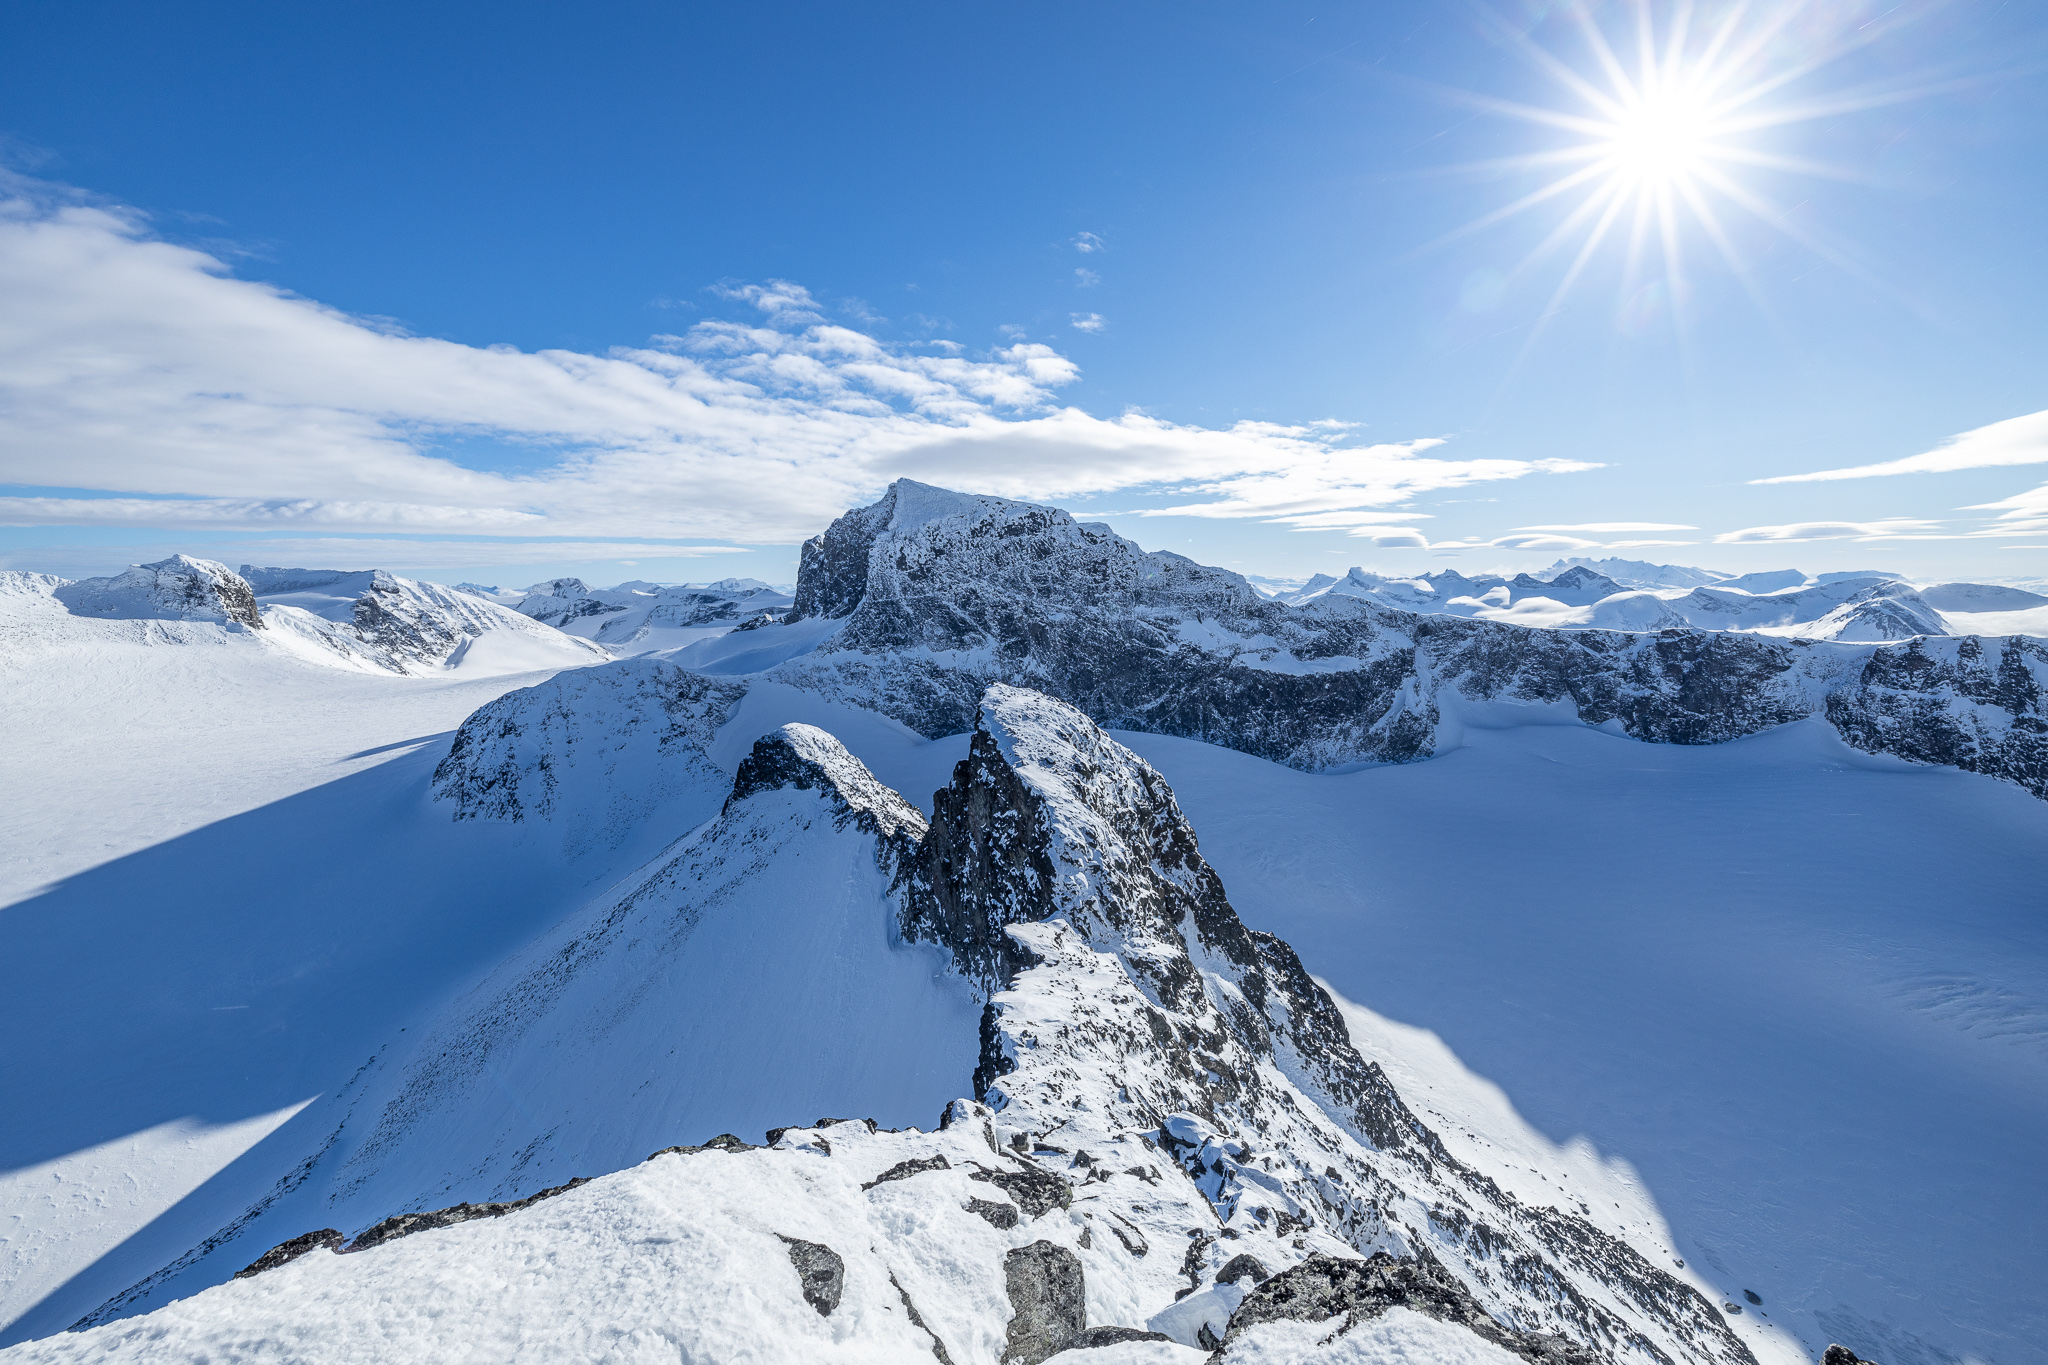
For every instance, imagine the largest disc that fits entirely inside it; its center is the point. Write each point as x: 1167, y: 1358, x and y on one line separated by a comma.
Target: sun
x: 1662, y: 128
x: 1666, y: 135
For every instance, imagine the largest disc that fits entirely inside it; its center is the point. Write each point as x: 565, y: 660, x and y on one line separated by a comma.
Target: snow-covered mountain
x: 641, y: 618
x: 1169, y: 1120
x: 1853, y: 607
x: 368, y: 621
x: 402, y: 625
x: 650, y: 900
x: 913, y: 607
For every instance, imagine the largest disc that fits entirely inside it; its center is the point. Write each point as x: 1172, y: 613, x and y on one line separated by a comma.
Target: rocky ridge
x: 1169, y: 1121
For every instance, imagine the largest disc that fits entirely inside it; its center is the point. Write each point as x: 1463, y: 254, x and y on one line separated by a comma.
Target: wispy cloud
x: 1085, y: 278
x: 148, y: 370
x: 2015, y: 441
x: 1323, y: 487
x: 1890, y: 528
x: 1088, y: 322
x: 1087, y: 243
x: 1610, y: 527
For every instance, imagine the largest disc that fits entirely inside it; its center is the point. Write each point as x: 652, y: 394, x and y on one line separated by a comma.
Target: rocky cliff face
x: 963, y: 593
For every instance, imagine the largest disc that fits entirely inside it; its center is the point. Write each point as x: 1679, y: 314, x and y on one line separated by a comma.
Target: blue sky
x: 502, y: 292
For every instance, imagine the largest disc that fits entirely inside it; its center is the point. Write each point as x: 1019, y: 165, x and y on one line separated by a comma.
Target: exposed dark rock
x: 406, y: 1224
x: 724, y: 1142
x: 917, y: 1321
x: 903, y: 1170
x: 1752, y: 1296
x: 1048, y: 1301
x: 1842, y: 1355
x: 996, y: 1214
x: 292, y: 1250
x: 821, y: 1270
x: 1243, y: 1266
x: 1323, y: 1287
x: 1110, y: 1336
x: 1036, y: 1192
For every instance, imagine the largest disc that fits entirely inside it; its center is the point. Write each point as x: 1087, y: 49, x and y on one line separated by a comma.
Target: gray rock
x: 1110, y: 1336
x: 1324, y: 1287
x: 821, y: 1271
x: 903, y: 1170
x: 1048, y: 1302
x: 997, y: 1215
x: 1842, y: 1355
x: 917, y: 1321
x: 1243, y: 1266
x: 291, y: 1251
x: 1036, y: 1192
x: 406, y: 1224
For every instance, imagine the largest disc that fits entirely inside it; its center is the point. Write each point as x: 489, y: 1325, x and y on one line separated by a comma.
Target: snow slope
x: 222, y: 881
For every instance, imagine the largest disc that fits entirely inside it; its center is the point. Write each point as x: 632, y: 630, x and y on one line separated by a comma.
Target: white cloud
x: 2017, y: 440
x: 1088, y: 322
x: 2022, y: 514
x: 249, y: 514
x: 1543, y: 542
x: 1891, y: 528
x: 448, y: 558
x: 1085, y: 278
x: 1087, y: 243
x: 311, y: 552
x: 1610, y: 526
x: 1313, y: 486
x: 136, y: 366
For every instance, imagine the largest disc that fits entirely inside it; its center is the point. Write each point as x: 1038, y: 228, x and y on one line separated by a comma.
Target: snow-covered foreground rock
x: 1175, y: 1134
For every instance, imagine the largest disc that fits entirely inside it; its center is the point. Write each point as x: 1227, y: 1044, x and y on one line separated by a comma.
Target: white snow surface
x: 224, y: 883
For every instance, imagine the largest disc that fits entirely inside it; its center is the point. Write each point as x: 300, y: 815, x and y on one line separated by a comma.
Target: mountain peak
x: 180, y: 588
x: 803, y: 757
